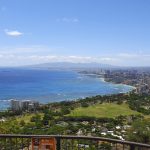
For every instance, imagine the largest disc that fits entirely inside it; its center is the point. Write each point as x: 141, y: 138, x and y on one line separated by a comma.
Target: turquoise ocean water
x: 49, y: 86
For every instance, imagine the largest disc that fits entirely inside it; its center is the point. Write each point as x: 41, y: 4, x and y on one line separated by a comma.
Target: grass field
x: 109, y: 110
x: 27, y: 117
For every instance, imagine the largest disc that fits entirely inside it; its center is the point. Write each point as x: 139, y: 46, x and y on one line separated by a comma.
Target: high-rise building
x: 16, y: 105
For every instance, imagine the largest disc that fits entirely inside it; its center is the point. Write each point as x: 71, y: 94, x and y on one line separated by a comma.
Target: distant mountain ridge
x: 69, y: 65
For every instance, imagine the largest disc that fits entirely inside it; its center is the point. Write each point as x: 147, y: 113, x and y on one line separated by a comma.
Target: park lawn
x: 109, y: 110
x: 27, y: 117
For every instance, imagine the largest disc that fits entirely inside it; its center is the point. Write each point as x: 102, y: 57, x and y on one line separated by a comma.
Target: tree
x: 22, y: 123
x: 65, y: 110
x: 36, y: 118
x: 140, y: 131
x: 84, y: 104
x: 105, y: 146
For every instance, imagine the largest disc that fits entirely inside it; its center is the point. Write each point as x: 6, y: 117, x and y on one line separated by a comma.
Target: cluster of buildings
x: 140, y: 79
x: 137, y: 77
x: 24, y: 105
x: 130, y: 77
x: 87, y: 128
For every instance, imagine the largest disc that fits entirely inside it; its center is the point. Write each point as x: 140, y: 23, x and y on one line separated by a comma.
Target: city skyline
x: 108, y: 32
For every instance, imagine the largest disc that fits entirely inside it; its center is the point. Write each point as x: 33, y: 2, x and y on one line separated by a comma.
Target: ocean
x: 51, y: 85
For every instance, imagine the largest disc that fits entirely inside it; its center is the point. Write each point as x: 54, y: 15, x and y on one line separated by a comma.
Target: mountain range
x: 69, y: 65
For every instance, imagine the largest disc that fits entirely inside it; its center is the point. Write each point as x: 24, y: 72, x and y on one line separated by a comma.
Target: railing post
x: 58, y: 143
x: 132, y: 147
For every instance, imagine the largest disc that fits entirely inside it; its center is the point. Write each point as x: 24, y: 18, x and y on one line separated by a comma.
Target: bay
x: 51, y: 85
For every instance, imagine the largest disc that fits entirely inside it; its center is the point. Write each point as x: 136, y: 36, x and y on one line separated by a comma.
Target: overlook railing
x: 58, y: 142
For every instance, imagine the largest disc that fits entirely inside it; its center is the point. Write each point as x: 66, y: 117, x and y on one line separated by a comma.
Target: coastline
x: 134, y: 88
x: 104, y: 80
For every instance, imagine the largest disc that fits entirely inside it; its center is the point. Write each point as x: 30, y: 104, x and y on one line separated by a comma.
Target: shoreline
x: 104, y: 80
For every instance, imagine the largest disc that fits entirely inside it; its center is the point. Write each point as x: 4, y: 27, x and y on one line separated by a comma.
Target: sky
x: 115, y: 32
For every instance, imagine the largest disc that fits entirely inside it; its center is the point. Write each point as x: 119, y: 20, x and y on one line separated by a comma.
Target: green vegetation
x: 126, y: 115
x: 141, y: 130
x: 140, y: 103
x: 27, y: 117
x: 110, y: 110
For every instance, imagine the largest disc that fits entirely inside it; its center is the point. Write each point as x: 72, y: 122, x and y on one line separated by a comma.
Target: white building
x: 18, y: 105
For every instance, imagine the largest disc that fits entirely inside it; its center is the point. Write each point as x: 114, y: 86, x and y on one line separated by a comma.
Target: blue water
x: 49, y: 86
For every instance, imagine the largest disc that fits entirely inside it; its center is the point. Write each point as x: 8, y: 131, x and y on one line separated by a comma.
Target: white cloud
x: 128, y: 55
x: 56, y: 58
x: 35, y: 54
x: 68, y: 20
x: 28, y: 50
x: 12, y: 59
x: 133, y: 55
x: 108, y: 59
x: 13, y: 33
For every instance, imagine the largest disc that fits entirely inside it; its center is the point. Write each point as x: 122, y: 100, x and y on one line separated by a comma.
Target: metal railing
x: 25, y: 142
